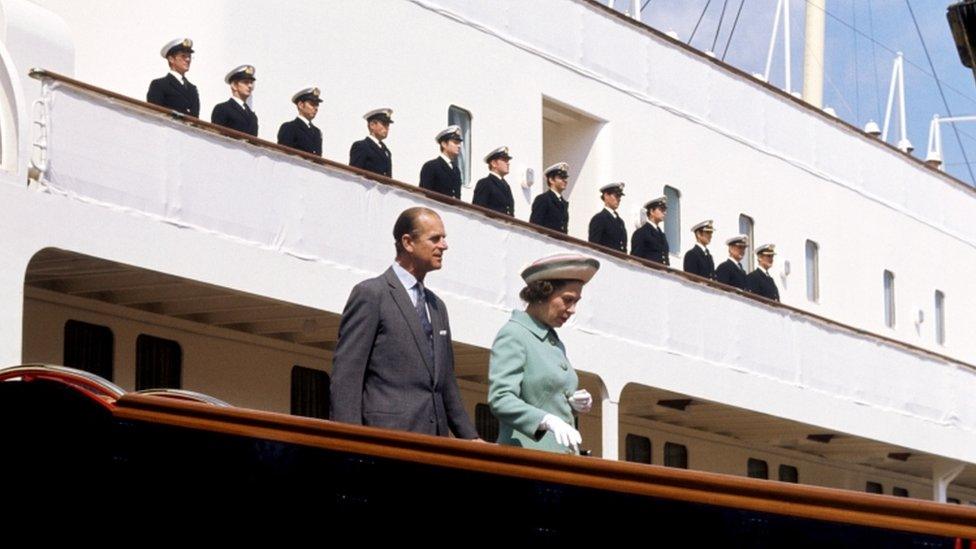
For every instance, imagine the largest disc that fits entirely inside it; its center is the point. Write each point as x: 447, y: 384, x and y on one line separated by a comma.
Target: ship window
x: 675, y: 455
x: 309, y: 392
x: 939, y: 317
x: 638, y: 449
x: 462, y: 118
x: 485, y: 422
x: 899, y: 492
x: 953, y: 500
x: 788, y: 473
x: 747, y: 227
x: 89, y: 347
x: 813, y: 271
x: 757, y: 468
x: 159, y: 363
x: 672, y: 223
x: 874, y: 488
x: 889, y: 299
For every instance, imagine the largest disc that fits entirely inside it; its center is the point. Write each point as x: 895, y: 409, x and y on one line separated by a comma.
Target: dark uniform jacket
x: 381, y: 374
x: 550, y: 211
x: 366, y: 154
x: 494, y: 193
x: 230, y: 114
x: 171, y: 93
x: 650, y: 243
x: 729, y: 272
x: 758, y: 282
x: 607, y: 229
x: 437, y: 176
x: 699, y: 262
x: 299, y: 135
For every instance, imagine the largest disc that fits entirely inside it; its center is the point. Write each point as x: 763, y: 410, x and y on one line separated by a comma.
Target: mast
x: 813, y: 52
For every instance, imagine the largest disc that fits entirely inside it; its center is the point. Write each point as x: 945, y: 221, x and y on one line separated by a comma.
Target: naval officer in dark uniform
x: 606, y: 227
x: 759, y: 281
x: 371, y: 154
x: 300, y: 133
x: 550, y: 209
x: 730, y: 271
x: 174, y: 91
x: 235, y: 113
x: 649, y: 241
x: 442, y: 174
x: 698, y: 260
x: 493, y: 192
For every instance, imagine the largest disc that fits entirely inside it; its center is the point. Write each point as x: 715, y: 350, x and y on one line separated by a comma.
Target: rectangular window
x: 889, y: 299
x: 675, y: 455
x: 747, y: 227
x: 89, y: 347
x: 953, y: 501
x: 456, y: 116
x: 757, y: 468
x: 788, y: 473
x: 874, y: 488
x: 638, y: 449
x: 672, y: 223
x: 309, y: 392
x: 159, y: 363
x: 485, y: 422
x: 939, y: 317
x: 813, y: 271
x: 899, y: 492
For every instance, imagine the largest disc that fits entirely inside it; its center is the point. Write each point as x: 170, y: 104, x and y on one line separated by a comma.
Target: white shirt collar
x: 408, y: 281
x: 371, y: 136
x: 612, y: 211
x: 177, y: 75
x: 553, y: 191
x: 238, y: 101
x: 305, y: 120
x: 447, y: 159
x: 703, y: 248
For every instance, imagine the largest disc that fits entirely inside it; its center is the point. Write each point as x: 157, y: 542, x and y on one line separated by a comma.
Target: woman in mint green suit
x: 532, y: 389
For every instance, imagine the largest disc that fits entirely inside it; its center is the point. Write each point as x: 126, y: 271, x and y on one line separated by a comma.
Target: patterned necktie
x: 425, y: 324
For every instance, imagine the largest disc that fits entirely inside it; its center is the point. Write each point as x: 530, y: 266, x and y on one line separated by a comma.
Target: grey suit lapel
x: 402, y: 300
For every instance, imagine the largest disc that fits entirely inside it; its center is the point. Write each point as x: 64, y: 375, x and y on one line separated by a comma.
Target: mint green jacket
x: 529, y: 376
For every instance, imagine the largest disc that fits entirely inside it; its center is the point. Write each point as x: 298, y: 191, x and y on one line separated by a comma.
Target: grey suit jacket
x: 380, y: 376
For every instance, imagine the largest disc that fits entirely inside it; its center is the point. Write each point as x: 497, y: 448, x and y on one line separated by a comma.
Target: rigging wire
x: 941, y: 93
x: 874, y: 56
x: 857, y: 84
x: 892, y: 51
x: 732, y: 32
x: 700, y: 17
x: 644, y: 5
x: 718, y: 30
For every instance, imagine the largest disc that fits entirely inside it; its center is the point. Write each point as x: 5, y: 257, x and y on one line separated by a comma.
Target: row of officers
x: 443, y: 175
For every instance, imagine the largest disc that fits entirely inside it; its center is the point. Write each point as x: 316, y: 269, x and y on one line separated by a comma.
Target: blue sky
x: 858, y: 64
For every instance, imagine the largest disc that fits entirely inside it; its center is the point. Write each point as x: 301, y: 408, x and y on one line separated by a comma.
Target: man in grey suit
x: 394, y: 365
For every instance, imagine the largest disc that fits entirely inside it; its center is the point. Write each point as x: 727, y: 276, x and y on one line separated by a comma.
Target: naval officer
x: 550, y: 209
x: 759, y: 281
x: 730, y: 271
x: 649, y: 241
x: 371, y: 154
x: 698, y: 260
x: 235, y: 113
x: 174, y: 91
x: 606, y: 227
x: 300, y: 133
x: 493, y: 192
x: 442, y: 174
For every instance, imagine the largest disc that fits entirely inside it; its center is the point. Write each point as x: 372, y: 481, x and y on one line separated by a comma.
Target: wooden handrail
x: 41, y: 74
x: 629, y: 478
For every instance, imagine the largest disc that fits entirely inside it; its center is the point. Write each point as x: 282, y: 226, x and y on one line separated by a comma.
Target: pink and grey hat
x: 561, y: 267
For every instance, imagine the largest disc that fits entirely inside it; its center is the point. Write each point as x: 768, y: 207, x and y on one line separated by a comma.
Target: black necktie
x: 246, y: 108
x: 707, y: 254
x: 425, y: 320
x: 384, y: 149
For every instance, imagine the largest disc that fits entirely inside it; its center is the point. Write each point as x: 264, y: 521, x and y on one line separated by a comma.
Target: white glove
x: 565, y: 435
x: 581, y: 401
